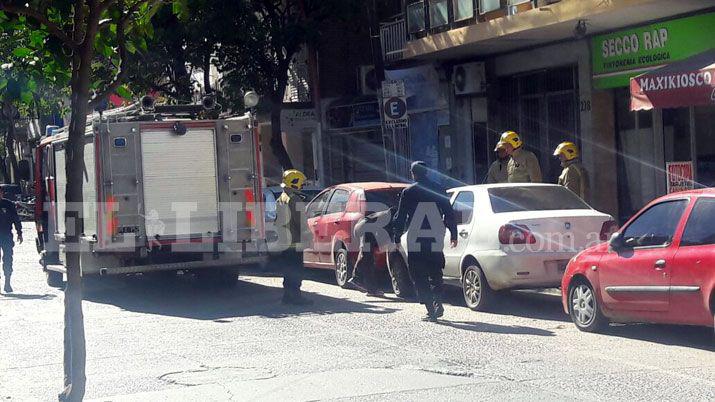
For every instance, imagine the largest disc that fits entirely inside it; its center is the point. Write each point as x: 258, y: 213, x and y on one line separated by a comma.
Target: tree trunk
x: 3, y: 171
x: 207, y: 74
x: 10, y: 149
x: 75, y: 348
x: 277, y: 146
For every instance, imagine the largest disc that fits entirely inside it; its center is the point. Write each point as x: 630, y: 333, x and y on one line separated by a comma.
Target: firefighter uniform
x: 289, y: 217
x: 8, y: 219
x: 573, y: 176
x: 425, y: 238
x: 524, y: 165
x: 498, y: 169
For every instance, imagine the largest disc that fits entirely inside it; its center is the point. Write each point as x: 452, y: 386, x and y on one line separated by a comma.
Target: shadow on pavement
x: 675, y: 335
x: 495, y: 328
x: 182, y: 297
x: 21, y: 296
x: 528, y: 304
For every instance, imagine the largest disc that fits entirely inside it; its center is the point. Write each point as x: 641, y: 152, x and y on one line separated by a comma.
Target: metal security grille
x: 543, y: 108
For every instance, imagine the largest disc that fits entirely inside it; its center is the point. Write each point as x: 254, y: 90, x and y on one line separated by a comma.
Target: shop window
x: 416, y: 17
x: 676, y: 135
x: 705, y: 145
x: 438, y: 13
x: 463, y: 9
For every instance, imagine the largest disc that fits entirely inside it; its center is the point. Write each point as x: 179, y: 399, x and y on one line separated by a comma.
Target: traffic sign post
x: 394, y: 104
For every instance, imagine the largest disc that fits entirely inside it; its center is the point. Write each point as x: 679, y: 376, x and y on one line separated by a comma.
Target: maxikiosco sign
x: 621, y: 55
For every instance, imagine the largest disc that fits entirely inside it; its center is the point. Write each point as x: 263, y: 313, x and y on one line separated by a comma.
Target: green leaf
x: 3, y: 83
x: 22, y: 52
x: 26, y: 97
x: 32, y: 85
x: 124, y: 92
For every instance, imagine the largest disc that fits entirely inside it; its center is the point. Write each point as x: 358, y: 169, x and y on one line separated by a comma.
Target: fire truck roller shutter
x: 179, y: 170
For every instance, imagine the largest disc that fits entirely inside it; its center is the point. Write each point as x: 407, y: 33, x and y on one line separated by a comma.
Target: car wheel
x: 54, y: 279
x: 584, y: 309
x: 343, y: 270
x: 399, y: 278
x: 476, y: 290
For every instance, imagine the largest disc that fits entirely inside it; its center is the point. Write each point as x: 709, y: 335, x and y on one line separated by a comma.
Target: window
x: 416, y: 17
x: 700, y: 229
x: 656, y: 226
x: 438, y: 13
x: 381, y: 200
x: 316, y: 207
x: 464, y: 207
x: 534, y: 198
x: 338, y: 201
x: 486, y: 6
x: 463, y: 9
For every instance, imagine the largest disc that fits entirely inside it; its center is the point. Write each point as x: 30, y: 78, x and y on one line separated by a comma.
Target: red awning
x: 688, y: 82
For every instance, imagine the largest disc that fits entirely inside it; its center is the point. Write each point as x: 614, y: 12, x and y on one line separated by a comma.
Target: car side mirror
x: 616, y: 243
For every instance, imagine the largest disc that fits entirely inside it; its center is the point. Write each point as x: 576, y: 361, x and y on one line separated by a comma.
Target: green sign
x: 621, y: 55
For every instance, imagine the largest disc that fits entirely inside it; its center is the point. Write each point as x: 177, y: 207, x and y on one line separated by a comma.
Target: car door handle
x: 660, y: 265
x: 464, y: 233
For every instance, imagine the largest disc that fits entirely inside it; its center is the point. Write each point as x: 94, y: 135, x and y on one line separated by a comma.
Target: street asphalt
x: 154, y: 340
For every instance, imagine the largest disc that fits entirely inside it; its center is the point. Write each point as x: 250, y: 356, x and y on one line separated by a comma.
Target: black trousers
x: 6, y: 245
x: 364, y: 271
x: 291, y: 264
x: 425, y: 267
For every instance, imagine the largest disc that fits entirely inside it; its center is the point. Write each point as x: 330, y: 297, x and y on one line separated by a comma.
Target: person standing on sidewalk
x: 574, y: 177
x: 426, y: 211
x: 524, y: 165
x: 289, y: 217
x: 498, y: 169
x: 8, y: 218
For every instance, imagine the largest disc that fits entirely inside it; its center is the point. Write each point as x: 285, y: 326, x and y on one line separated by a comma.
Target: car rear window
x: 533, y: 198
x: 381, y: 200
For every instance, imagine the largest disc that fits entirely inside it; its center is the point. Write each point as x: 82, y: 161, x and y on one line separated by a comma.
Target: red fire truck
x: 162, y: 190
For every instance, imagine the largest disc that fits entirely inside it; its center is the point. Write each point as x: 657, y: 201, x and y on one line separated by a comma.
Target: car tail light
x: 516, y: 234
x: 608, y: 228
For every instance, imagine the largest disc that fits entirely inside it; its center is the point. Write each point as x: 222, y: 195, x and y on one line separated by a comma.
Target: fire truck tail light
x: 250, y: 205
x: 112, y: 219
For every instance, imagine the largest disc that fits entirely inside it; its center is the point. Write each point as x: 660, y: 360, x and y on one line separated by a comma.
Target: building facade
x: 556, y: 71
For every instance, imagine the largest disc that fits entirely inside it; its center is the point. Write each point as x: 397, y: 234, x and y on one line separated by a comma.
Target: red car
x: 331, y: 217
x: 658, y: 268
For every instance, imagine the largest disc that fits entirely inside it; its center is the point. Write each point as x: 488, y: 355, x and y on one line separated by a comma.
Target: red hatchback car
x: 658, y: 268
x: 332, y: 215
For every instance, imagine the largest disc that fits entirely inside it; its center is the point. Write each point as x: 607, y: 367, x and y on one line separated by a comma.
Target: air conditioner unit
x: 367, y: 83
x: 469, y: 78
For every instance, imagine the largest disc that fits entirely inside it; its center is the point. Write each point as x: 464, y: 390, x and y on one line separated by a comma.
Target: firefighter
x: 498, y: 169
x: 574, y: 177
x: 289, y: 217
x: 8, y: 218
x: 523, y: 166
x: 426, y: 211
x: 375, y: 232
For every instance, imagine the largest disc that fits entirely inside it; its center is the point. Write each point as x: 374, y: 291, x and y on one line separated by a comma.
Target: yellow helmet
x: 293, y: 178
x: 568, y: 149
x: 512, y: 138
x: 500, y: 145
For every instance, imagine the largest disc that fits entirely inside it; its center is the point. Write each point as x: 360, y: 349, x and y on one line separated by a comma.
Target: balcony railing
x: 393, y: 37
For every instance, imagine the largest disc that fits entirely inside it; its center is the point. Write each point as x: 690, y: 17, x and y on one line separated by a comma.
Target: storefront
x: 652, y: 138
x: 354, y: 147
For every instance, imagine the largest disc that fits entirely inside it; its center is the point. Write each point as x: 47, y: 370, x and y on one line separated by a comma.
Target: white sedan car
x: 511, y: 236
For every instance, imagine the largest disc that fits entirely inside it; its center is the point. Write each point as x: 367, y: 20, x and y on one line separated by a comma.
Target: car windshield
x: 380, y: 200
x: 533, y: 198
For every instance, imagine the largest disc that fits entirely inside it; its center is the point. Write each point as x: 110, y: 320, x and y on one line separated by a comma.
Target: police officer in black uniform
x: 425, y: 210
x: 8, y: 218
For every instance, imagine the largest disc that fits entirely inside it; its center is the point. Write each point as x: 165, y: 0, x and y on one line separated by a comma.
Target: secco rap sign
x: 621, y: 55
x: 680, y: 176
